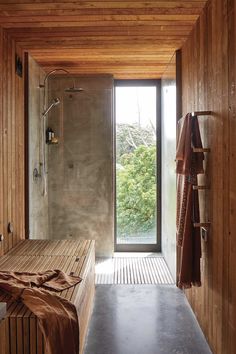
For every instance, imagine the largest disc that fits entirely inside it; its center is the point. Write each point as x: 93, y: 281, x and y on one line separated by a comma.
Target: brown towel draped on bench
x: 189, y: 165
x: 57, y: 316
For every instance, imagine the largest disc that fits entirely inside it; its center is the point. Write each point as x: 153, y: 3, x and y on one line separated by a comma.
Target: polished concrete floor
x: 143, y: 319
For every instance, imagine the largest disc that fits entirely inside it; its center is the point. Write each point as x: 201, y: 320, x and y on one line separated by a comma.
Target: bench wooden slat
x: 21, y: 326
x: 2, y: 337
x: 19, y: 329
x: 40, y: 347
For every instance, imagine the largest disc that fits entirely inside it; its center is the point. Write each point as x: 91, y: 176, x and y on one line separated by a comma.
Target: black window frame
x: 142, y: 247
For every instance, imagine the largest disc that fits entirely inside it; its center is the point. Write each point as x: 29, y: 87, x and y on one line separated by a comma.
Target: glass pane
x: 136, y: 178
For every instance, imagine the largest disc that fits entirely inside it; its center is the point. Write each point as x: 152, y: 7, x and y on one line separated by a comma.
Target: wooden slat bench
x: 22, y: 332
x: 2, y: 327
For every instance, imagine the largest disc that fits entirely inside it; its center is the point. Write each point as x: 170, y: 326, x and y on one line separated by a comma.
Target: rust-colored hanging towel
x: 57, y: 316
x: 189, y: 165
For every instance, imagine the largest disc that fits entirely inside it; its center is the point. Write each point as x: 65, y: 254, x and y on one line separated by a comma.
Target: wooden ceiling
x: 129, y: 39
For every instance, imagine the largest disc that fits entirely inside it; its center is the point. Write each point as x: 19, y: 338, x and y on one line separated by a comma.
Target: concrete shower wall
x: 80, y: 167
x: 38, y: 204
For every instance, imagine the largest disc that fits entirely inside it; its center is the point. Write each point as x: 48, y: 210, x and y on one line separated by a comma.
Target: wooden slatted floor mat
x: 132, y: 270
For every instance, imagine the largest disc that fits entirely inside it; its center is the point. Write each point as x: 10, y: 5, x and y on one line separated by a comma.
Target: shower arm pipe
x: 50, y: 73
x: 45, y: 80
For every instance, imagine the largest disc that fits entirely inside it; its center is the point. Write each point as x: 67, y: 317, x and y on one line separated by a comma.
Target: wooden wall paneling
x: 17, y: 148
x: 230, y: 306
x: 179, y: 103
x: 19, y: 154
x: 21, y: 151
x: 226, y: 146
x: 205, y: 104
x: 198, y: 78
x: 193, y: 100
x: 10, y: 98
x: 5, y: 142
x: 26, y: 139
x: 220, y: 175
x: 208, y: 247
x: 190, y: 103
x: 19, y: 132
x: 216, y: 260
x: 13, y: 144
x: 208, y: 279
x: 1, y: 143
x: 199, y: 57
x: 206, y: 77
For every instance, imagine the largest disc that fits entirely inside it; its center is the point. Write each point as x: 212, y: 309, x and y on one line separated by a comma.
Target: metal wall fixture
x: 54, y: 103
x: 73, y: 89
x: 49, y: 74
x: 207, y: 224
x: 36, y: 174
x: 46, y: 110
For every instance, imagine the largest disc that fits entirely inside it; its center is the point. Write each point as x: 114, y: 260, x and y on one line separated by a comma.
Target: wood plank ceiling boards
x: 129, y: 39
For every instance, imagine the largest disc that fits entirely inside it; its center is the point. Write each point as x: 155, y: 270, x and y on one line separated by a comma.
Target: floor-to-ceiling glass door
x: 137, y: 136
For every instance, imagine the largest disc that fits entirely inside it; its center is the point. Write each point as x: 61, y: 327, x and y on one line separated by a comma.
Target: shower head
x: 54, y: 102
x: 74, y: 89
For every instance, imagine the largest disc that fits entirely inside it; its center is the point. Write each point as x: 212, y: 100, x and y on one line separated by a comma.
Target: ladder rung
x: 201, y: 113
x: 200, y: 187
x: 201, y: 224
x: 201, y: 150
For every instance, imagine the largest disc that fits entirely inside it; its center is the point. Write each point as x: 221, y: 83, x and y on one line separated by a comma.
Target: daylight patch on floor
x: 132, y: 270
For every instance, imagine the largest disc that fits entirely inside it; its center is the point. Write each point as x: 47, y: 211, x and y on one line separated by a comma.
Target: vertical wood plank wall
x: 208, y: 83
x: 11, y: 145
x: 230, y: 311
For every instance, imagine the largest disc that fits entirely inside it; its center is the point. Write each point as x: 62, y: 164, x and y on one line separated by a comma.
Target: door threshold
x: 137, y: 254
